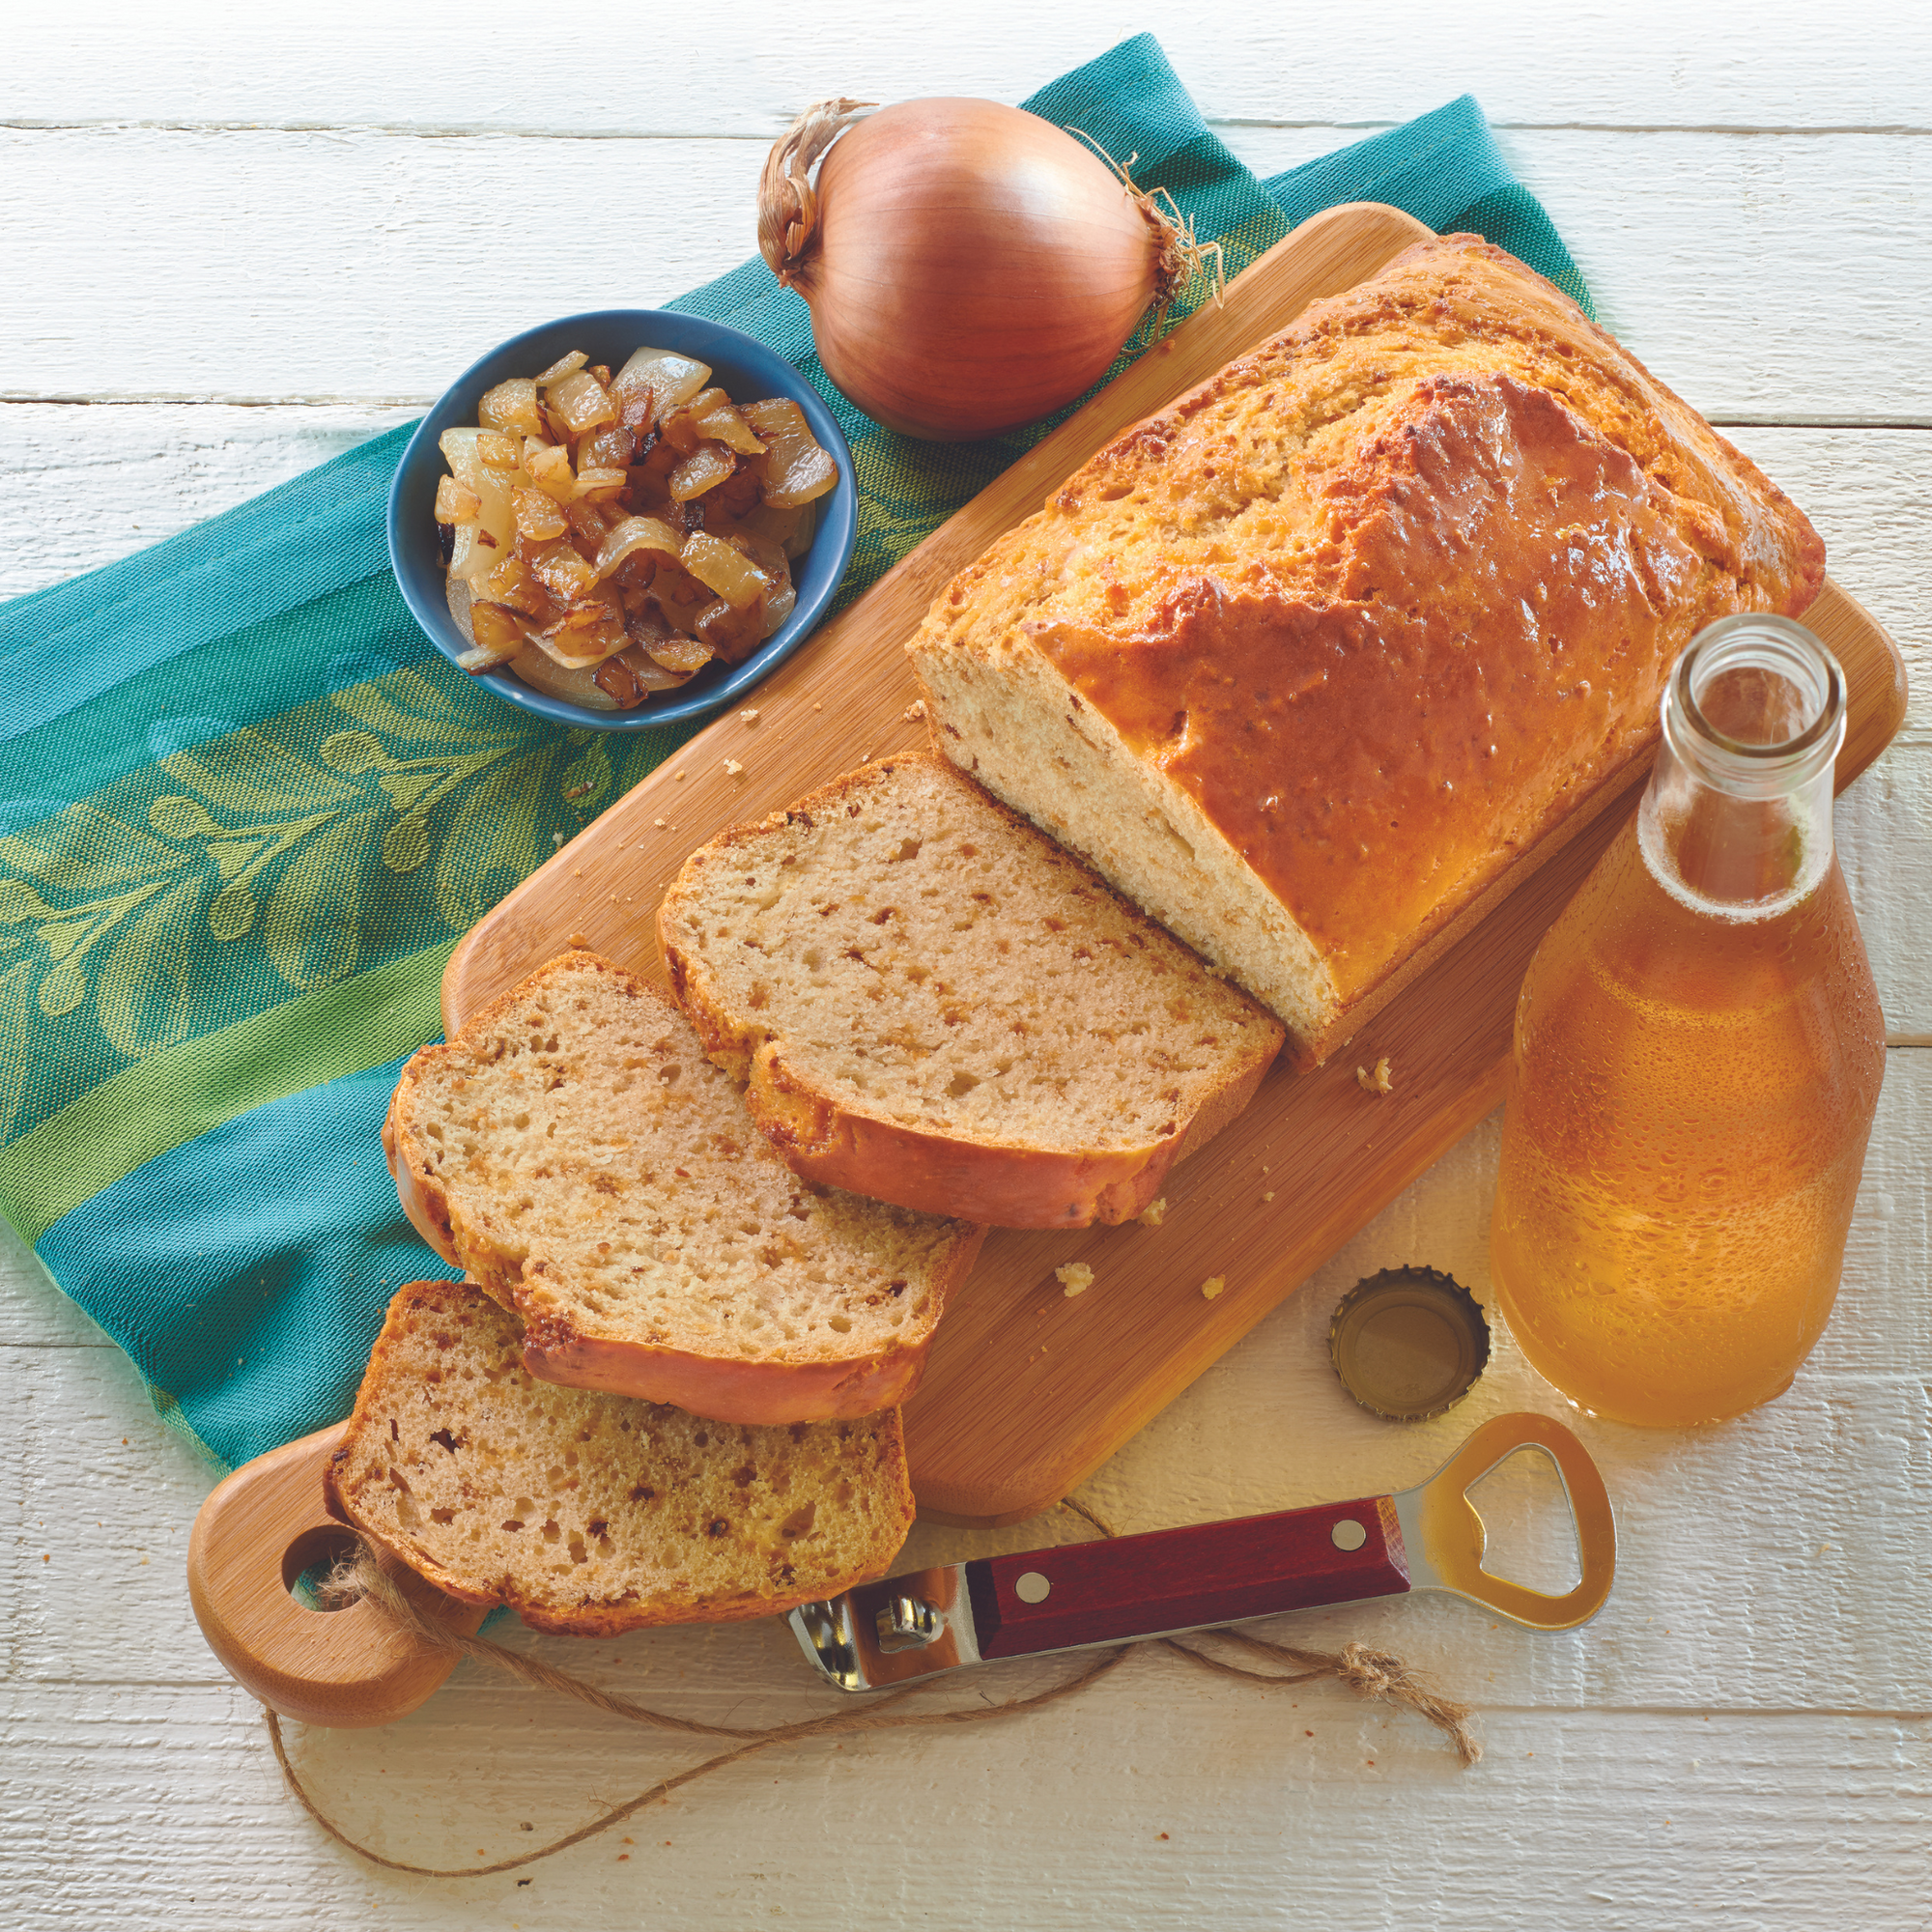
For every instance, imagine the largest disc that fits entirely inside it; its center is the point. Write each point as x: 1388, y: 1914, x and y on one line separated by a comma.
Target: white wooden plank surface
x: 495, y: 65
x: 1666, y: 1821
x: 92, y: 483
x: 1760, y: 276
x: 1740, y: 1741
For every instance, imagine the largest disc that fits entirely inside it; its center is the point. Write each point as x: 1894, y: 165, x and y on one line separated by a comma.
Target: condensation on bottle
x: 1696, y: 1060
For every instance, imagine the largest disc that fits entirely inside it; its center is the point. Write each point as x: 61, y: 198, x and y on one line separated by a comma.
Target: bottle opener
x: 1170, y: 1580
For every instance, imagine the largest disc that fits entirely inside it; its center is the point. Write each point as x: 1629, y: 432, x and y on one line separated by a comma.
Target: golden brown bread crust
x: 556, y: 1350
x: 959, y: 1173
x: 1378, y: 604
x: 423, y: 1199
x: 938, y: 1173
x: 590, y: 1616
x: 787, y: 1387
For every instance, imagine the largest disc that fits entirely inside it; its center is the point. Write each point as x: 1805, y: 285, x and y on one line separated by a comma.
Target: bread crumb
x: 1378, y: 1082
x: 1075, y: 1278
x: 749, y: 717
x: 577, y: 939
x: 1269, y: 1195
x: 658, y: 823
x: 1154, y: 1213
x: 679, y: 775
x: 1212, y: 1287
x: 914, y: 711
x: 732, y: 768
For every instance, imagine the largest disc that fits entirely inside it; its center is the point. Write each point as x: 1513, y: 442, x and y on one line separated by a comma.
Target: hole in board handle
x: 309, y: 1559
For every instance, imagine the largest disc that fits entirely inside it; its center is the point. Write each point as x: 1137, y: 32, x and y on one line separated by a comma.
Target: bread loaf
x: 1304, y: 662
x: 573, y: 1150
x: 934, y: 1004
x: 595, y: 1514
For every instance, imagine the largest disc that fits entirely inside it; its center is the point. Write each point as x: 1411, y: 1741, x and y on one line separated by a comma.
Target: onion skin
x: 972, y: 268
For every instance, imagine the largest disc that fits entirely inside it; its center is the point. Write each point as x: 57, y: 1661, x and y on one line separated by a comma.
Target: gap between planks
x: 1347, y: 130
x: 204, y: 399
x: 1485, y: 1708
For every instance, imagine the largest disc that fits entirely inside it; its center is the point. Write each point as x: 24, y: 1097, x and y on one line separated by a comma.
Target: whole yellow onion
x: 969, y: 266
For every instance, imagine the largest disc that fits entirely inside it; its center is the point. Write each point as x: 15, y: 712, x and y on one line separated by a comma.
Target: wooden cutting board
x: 1028, y: 1391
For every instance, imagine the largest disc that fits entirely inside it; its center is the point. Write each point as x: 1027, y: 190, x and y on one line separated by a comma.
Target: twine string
x: 1369, y: 1674
x: 1373, y: 1674
x: 837, y: 1724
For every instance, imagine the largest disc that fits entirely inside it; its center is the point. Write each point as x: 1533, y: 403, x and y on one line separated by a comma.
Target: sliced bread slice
x: 573, y: 1150
x: 595, y: 1514
x: 933, y: 1004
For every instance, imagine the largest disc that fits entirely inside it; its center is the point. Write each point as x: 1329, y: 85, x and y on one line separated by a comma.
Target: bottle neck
x: 1737, y: 819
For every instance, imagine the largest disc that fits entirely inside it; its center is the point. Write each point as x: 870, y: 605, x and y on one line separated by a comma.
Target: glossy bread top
x: 1390, y: 593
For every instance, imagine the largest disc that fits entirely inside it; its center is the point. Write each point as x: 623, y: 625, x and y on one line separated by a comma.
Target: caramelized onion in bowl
x: 611, y: 536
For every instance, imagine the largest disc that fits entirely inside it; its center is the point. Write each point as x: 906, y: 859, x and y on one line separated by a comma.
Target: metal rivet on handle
x: 1348, y: 1534
x: 1032, y: 1588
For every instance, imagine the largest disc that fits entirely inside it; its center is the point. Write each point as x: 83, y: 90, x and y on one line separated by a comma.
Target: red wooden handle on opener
x: 1174, y: 1579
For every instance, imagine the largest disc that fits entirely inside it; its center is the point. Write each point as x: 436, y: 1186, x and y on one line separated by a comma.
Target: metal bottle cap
x: 1409, y: 1343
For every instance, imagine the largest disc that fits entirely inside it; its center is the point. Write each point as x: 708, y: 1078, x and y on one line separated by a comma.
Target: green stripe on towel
x: 183, y: 1091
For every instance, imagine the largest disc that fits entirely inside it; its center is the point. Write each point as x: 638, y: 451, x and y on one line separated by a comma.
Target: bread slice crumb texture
x: 919, y: 954
x: 603, y: 1176
x: 597, y: 1513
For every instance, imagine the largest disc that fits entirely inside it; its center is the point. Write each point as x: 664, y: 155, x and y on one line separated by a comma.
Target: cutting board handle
x: 258, y: 1532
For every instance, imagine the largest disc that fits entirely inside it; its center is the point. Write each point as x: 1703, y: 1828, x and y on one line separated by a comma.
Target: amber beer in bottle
x: 1698, y: 1056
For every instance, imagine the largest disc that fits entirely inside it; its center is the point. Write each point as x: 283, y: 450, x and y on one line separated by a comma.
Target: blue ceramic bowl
x: 749, y: 371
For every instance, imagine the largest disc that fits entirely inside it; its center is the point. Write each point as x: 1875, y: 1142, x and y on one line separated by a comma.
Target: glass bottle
x: 1698, y: 1058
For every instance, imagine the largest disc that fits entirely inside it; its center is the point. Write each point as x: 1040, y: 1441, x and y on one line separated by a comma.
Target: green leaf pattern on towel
x: 271, y: 860
x: 351, y: 831
x: 148, y: 991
